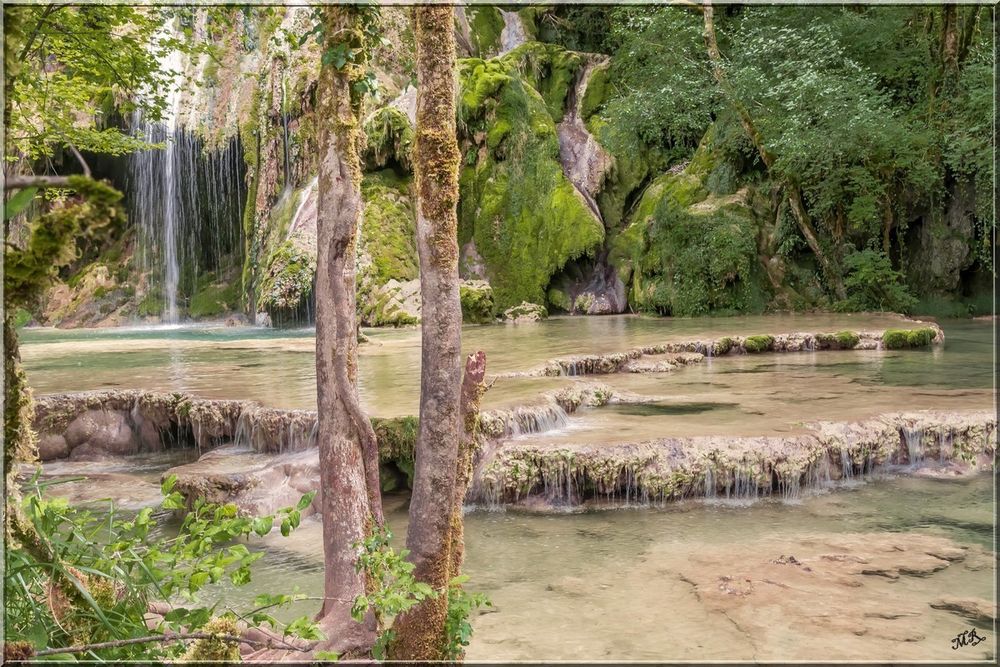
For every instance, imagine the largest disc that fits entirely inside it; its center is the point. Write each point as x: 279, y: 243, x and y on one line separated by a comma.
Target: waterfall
x: 914, y: 444
x: 513, y: 34
x: 185, y: 200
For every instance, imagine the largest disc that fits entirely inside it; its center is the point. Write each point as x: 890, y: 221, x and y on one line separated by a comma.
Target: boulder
x: 102, y: 430
x: 52, y: 446
x: 525, y: 312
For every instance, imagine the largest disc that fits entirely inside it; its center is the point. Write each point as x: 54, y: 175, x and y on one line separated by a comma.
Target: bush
x: 758, y: 343
x: 872, y: 284
x: 105, y: 569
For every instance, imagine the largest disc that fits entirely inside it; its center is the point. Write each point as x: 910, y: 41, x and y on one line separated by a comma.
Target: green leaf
x: 327, y: 656
x: 262, y: 525
x: 305, y: 501
x: 286, y: 527
x: 18, y: 202
x: 168, y: 484
x: 240, y: 576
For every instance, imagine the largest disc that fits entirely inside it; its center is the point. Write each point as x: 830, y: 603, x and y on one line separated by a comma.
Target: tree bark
x: 795, y: 199
x: 473, y: 388
x: 349, y: 482
x: 419, y: 633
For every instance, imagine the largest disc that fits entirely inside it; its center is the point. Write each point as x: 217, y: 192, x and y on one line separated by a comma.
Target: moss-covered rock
x: 842, y: 340
x: 597, y: 92
x: 526, y: 218
x: 389, y: 139
x: 525, y: 312
x: 287, y: 283
x: 214, y: 299
x: 689, y: 252
x: 485, y: 27
x: 901, y: 339
x: 754, y: 344
x: 477, y: 302
x: 387, y: 265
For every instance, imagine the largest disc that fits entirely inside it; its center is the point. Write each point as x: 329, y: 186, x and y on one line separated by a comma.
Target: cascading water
x: 185, y: 200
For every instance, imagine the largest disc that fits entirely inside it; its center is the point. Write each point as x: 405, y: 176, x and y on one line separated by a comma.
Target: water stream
x: 709, y: 579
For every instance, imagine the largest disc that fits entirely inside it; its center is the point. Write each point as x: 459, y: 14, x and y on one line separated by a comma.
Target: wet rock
x: 107, y: 430
x: 52, y: 446
x: 257, y: 483
x: 974, y: 609
x: 525, y: 312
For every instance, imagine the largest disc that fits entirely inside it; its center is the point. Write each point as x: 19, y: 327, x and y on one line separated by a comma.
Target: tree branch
x: 83, y: 648
x: 19, y: 182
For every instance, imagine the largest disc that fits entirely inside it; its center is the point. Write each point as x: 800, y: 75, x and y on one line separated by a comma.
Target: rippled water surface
x: 639, y: 584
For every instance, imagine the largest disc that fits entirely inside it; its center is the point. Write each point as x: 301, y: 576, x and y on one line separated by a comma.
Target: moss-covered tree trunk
x: 349, y: 483
x: 792, y: 189
x: 419, y: 633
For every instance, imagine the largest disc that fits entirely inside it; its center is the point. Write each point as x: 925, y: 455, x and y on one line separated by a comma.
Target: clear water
x: 617, y: 585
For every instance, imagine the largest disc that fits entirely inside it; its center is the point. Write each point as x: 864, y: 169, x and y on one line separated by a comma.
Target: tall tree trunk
x: 795, y: 200
x: 419, y: 634
x: 349, y: 482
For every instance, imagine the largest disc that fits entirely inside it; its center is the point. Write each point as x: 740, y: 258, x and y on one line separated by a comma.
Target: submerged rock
x: 974, y: 609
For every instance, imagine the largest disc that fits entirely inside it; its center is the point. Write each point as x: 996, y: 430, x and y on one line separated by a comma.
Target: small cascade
x: 273, y: 431
x: 710, y: 491
x: 513, y: 34
x: 913, y: 436
x: 946, y: 445
x: 525, y: 420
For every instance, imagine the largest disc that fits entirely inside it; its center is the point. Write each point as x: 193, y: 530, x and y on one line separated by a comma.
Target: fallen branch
x: 84, y: 648
x: 19, y: 182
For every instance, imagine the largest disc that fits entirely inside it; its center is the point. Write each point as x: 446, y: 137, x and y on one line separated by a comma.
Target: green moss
x: 396, y: 439
x: 388, y: 228
x: 287, y: 282
x: 485, y: 27
x: 151, y: 304
x: 598, y: 90
x: 21, y: 318
x: 900, y: 339
x: 634, y: 162
x: 526, y: 218
x: 389, y: 139
x: 842, y: 340
x: 477, y: 304
x: 847, y: 340
x: 214, y: 300
x: 723, y: 346
x: 753, y: 344
x: 549, y: 69
x: 685, y: 260
x: 559, y: 299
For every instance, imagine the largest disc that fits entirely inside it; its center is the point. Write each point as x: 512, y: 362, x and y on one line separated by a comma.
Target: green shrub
x: 872, y: 284
x: 110, y: 567
x: 758, y: 343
